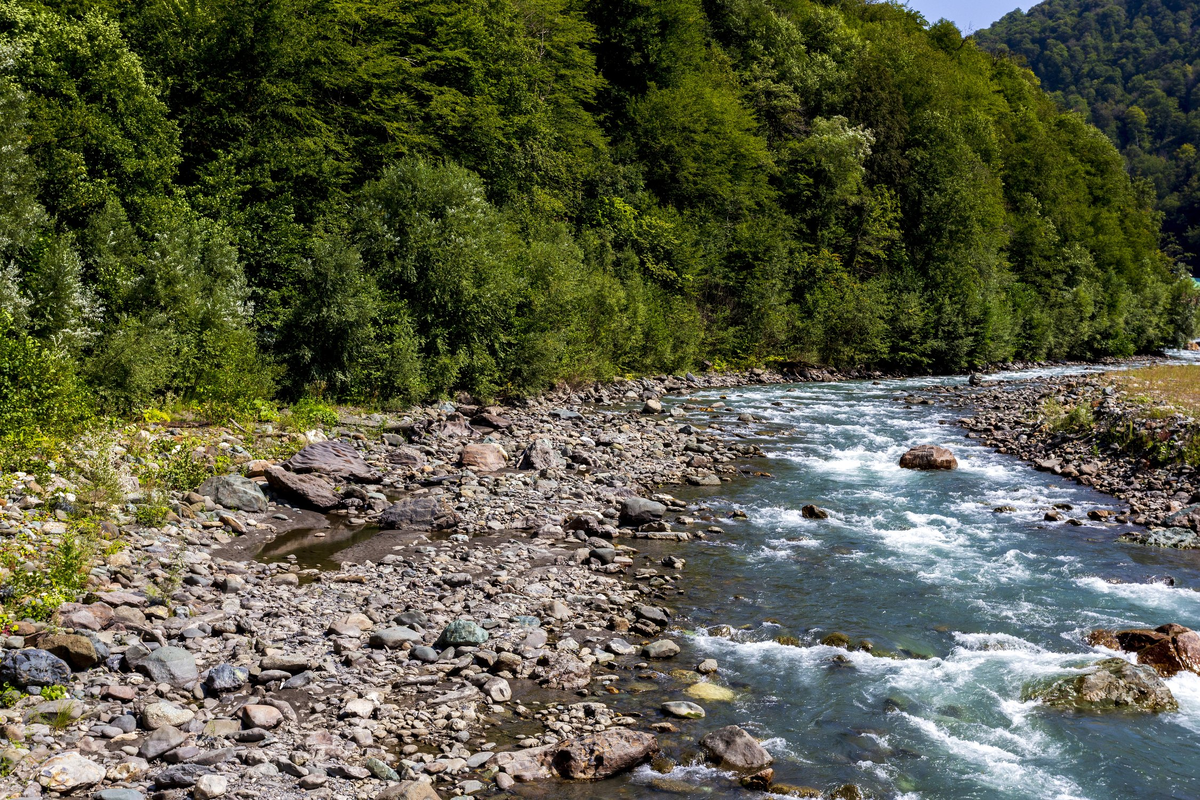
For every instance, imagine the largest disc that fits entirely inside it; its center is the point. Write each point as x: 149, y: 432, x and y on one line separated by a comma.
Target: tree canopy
x: 385, y: 201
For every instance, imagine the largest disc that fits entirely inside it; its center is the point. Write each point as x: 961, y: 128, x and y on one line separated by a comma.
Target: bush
x: 43, y: 401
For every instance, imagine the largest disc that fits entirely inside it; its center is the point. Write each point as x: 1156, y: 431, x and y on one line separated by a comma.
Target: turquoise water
x: 964, y: 607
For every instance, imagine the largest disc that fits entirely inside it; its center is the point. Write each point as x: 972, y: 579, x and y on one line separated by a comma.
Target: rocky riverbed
x: 1113, y: 443
x: 474, y: 634
x: 458, y: 601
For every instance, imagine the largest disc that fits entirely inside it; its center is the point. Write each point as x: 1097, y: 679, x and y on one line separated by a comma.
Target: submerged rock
x: 1110, y: 685
x: 928, y: 456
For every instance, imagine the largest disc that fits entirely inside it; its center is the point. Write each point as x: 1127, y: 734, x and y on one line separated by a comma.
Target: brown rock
x: 1139, y: 638
x: 602, y: 755
x: 76, y: 650
x: 484, y: 457
x: 814, y: 512
x: 733, y: 747
x: 1102, y: 637
x: 928, y: 456
x: 311, y: 490
x: 338, y: 460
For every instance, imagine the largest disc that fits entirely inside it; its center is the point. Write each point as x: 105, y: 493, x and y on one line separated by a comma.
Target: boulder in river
x: 1109, y: 685
x: 639, y: 511
x: 928, y: 456
x: 733, y: 747
x: 814, y: 512
x: 1169, y: 649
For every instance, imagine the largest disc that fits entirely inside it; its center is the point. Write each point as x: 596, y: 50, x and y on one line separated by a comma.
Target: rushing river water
x: 964, y: 607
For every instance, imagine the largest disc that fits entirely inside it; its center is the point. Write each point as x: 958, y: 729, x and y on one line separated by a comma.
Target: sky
x: 969, y: 15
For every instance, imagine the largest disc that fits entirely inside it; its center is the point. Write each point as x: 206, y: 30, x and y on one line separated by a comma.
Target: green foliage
x: 213, y: 201
x: 54, y: 692
x: 308, y: 413
x: 1129, y: 67
x: 45, y: 572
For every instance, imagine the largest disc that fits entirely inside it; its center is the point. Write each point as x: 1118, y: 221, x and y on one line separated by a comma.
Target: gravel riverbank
x: 447, y: 603
x: 474, y: 642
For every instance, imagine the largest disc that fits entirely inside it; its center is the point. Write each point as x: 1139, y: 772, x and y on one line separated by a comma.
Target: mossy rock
x: 837, y: 639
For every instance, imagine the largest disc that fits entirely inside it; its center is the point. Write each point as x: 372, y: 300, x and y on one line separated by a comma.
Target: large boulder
x: 1109, y: 685
x: 234, y: 491
x: 338, y: 460
x: 541, y: 455
x: 928, y: 456
x: 732, y: 747
x: 483, y: 457
x: 312, y: 491
x: 422, y: 513
x: 640, y: 511
x: 33, y: 667
x: 1169, y: 649
x: 602, y: 755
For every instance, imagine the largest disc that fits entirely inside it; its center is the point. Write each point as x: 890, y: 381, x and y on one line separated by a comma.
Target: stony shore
x: 475, y: 642
x: 1114, y: 443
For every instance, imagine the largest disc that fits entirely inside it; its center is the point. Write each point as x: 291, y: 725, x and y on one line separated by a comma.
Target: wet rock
x: 664, y: 648
x: 1174, y: 538
x: 928, y: 457
x: 1186, y: 518
x: 1169, y: 649
x: 541, y: 455
x: 33, y: 667
x: 637, y: 511
x: 312, y: 491
x: 602, y: 755
x: 732, y: 747
x: 68, y: 772
x: 814, y: 512
x: 483, y: 457
x: 421, y: 513
x: 682, y: 709
x: 234, y: 491
x: 710, y: 692
x: 338, y: 460
x: 1111, y: 684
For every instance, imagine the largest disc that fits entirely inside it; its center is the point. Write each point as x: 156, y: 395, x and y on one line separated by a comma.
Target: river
x: 964, y: 607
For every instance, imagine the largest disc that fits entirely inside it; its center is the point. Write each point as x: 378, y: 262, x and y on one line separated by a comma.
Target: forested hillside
x: 1133, y: 68
x: 221, y: 200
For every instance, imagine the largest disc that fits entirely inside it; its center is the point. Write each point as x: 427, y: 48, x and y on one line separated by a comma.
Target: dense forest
x: 1133, y: 68
x: 226, y: 200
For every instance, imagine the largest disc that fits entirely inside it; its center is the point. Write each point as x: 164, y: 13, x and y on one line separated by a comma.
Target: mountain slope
x: 1133, y: 67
